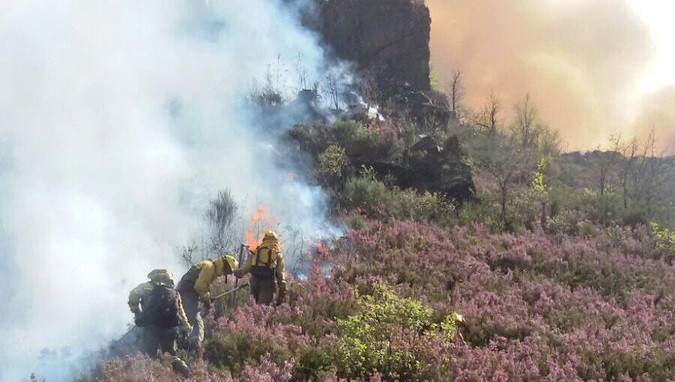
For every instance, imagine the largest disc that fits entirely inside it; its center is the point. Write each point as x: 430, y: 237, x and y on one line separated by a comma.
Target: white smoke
x: 119, y: 121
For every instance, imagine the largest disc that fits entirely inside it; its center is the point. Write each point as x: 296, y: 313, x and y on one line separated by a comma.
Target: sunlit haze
x: 658, y: 15
x: 592, y: 68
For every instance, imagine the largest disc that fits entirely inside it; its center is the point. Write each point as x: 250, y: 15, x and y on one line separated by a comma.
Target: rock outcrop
x: 433, y: 166
x: 440, y: 167
x: 388, y: 39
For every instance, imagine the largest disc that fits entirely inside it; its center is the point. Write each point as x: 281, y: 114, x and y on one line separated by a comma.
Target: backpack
x: 162, y: 308
x: 264, y: 266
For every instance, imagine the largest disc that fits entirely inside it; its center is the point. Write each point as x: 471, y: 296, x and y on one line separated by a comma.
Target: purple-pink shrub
x: 542, y: 307
x: 537, y: 306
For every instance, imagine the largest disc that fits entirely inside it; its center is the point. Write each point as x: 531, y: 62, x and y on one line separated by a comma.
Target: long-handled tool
x: 233, y: 290
x: 236, y: 281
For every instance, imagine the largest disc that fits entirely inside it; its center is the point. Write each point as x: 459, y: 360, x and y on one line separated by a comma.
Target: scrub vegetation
x: 558, y: 275
x: 475, y: 249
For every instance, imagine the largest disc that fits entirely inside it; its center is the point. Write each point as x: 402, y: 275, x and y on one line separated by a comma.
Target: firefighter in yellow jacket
x: 266, y: 266
x: 194, y: 290
x: 145, y: 309
x: 138, y: 297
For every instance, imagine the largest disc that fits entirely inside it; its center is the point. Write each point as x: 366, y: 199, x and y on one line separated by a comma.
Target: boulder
x: 428, y: 110
x: 439, y: 167
x: 432, y: 166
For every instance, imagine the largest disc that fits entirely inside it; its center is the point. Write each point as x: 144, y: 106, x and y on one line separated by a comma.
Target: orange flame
x: 261, y: 221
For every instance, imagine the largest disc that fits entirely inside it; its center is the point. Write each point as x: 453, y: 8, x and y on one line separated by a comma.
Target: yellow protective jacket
x: 267, y: 261
x: 203, y: 274
x: 139, y: 297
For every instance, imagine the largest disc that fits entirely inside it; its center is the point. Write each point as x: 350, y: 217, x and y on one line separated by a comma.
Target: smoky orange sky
x: 580, y: 61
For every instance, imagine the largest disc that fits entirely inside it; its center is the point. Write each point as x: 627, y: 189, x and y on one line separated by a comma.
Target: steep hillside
x: 536, y: 307
x: 471, y: 251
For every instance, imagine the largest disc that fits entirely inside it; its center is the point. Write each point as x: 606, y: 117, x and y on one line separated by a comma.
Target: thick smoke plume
x: 581, y: 61
x: 119, y: 122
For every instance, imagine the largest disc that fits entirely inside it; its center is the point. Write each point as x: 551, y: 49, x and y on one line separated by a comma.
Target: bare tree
x: 606, y: 162
x: 604, y: 166
x: 370, y: 89
x: 507, y: 164
x: 220, y: 216
x: 643, y: 174
x: 638, y: 175
x: 648, y: 176
x: 654, y: 175
x: 332, y: 88
x: 188, y: 253
x: 549, y: 141
x: 488, y: 118
x: 629, y: 152
x: 301, y: 71
x: 526, y: 128
x: 456, y: 90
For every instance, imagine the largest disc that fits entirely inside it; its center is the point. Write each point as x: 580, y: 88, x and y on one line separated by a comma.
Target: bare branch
x: 456, y: 90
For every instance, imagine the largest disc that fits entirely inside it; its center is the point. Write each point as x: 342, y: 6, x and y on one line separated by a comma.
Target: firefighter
x: 158, y: 311
x: 194, y: 291
x: 266, y: 266
x: 138, y: 296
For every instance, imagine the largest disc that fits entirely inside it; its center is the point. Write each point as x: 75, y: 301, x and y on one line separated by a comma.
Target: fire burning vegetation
x: 260, y: 222
x: 310, y: 206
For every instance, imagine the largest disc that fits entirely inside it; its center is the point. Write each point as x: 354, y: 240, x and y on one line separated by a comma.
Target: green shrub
x: 635, y: 216
x: 355, y: 221
x: 314, y: 363
x: 364, y: 193
x: 233, y: 350
x: 375, y: 199
x: 664, y: 241
x: 361, y: 142
x: 332, y: 164
x: 385, y: 335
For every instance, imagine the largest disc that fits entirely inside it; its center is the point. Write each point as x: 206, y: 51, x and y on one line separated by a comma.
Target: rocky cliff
x: 389, y: 39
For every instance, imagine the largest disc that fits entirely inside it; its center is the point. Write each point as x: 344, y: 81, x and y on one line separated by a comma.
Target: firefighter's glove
x: 281, y: 296
x: 185, y: 330
x: 207, y: 303
x: 138, y: 320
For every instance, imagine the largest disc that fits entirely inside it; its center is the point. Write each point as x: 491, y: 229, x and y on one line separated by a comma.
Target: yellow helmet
x: 271, y: 235
x: 271, y: 241
x: 160, y: 276
x: 231, y: 261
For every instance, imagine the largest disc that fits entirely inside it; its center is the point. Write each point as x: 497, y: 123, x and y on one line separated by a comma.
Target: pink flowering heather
x: 537, y: 307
